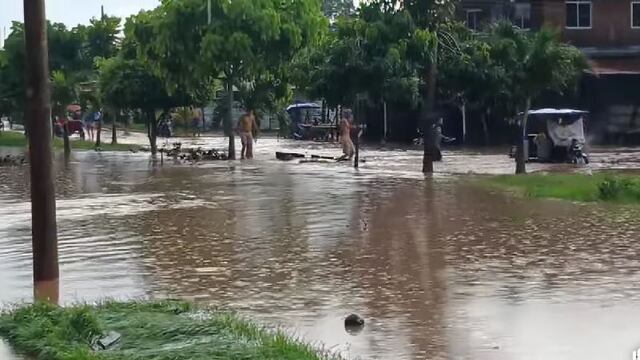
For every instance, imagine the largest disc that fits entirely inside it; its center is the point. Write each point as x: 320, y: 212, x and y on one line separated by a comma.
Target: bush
x: 619, y: 189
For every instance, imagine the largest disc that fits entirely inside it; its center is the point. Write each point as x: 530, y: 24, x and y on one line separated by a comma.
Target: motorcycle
x: 577, y: 154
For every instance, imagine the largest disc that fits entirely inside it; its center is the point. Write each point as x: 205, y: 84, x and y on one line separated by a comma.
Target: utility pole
x: 209, y: 12
x: 38, y: 109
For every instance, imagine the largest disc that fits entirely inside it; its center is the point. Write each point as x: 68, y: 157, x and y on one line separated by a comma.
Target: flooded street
x: 439, y: 268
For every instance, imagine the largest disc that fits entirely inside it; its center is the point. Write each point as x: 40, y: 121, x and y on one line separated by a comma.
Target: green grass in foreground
x: 17, y: 139
x: 167, y: 330
x: 619, y: 188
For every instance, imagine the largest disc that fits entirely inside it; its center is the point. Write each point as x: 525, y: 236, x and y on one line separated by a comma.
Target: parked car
x: 73, y: 126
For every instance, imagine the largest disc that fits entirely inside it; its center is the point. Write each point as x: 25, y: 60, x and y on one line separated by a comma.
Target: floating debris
x: 194, y: 154
x: 353, y: 320
x: 107, y: 341
x: 13, y: 160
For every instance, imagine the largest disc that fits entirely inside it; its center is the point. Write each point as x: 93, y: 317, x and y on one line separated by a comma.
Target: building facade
x: 607, y: 32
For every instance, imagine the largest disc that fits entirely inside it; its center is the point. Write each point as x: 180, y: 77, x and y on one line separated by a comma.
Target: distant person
x: 196, y: 120
x: 248, y: 130
x: 88, y: 125
x: 97, y: 118
x: 348, y: 149
x: 439, y: 138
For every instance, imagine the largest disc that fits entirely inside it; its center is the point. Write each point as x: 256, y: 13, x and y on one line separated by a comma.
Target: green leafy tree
x: 126, y: 82
x: 534, y: 63
x: 470, y: 78
x: 100, y: 38
x: 129, y: 84
x: 244, y: 38
x: 65, y: 55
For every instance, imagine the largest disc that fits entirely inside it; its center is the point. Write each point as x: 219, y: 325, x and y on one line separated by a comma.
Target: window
x: 635, y: 14
x: 473, y: 17
x: 579, y: 14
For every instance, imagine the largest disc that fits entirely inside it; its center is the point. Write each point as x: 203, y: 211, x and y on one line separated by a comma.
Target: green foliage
x: 244, y: 38
x: 621, y: 189
x: 72, y: 55
x: 17, y: 139
x: 63, y: 92
x: 165, y: 330
x: 100, y: 37
x: 372, y: 53
x: 534, y: 62
x: 618, y: 188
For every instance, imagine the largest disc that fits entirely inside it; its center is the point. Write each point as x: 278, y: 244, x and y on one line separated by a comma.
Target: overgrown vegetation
x: 17, y: 139
x: 609, y: 187
x: 414, y: 57
x: 166, y: 330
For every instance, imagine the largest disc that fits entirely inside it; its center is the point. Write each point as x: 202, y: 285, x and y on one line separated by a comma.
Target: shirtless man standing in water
x: 345, y: 136
x: 248, y: 130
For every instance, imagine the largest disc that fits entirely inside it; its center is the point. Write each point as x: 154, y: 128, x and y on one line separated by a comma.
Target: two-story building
x: 478, y: 13
x: 608, y: 33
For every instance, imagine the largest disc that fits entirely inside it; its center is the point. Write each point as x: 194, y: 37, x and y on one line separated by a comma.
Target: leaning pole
x: 37, y: 112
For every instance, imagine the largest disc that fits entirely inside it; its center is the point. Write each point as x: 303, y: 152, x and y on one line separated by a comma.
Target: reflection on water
x: 439, y: 269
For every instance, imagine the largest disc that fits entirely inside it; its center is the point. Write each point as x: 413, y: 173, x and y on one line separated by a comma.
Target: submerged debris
x: 353, y: 320
x: 107, y: 341
x: 13, y: 160
x: 194, y: 154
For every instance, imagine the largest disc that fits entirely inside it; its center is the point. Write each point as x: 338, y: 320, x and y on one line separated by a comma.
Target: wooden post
x: 65, y: 135
x: 114, y: 129
x: 386, y: 126
x: 38, y: 110
x: 463, y: 110
x: 229, y: 123
x: 99, y: 132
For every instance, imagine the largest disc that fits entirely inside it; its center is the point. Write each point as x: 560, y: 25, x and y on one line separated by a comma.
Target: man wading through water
x: 345, y: 136
x: 439, y: 139
x: 248, y: 131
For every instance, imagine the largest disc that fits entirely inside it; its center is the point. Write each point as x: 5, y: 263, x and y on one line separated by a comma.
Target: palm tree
x: 534, y: 63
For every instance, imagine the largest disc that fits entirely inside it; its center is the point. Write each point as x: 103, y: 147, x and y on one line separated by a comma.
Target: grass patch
x: 618, y: 188
x: 167, y: 330
x: 17, y: 139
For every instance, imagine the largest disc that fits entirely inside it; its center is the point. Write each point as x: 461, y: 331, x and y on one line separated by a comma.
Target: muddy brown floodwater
x: 438, y: 268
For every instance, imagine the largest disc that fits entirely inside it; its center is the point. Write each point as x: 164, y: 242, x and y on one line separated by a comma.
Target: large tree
x: 72, y: 55
x: 470, y: 78
x: 534, y: 63
x: 128, y: 83
x: 244, y: 39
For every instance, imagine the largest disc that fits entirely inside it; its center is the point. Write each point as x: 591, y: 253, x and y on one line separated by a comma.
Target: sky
x: 73, y: 12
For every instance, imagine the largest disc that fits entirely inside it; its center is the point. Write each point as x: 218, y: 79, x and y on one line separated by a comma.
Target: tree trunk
x: 99, y: 132
x: 114, y: 135
x: 485, y: 129
x: 153, y: 131
x: 324, y: 113
x: 463, y: 111
x: 204, y: 120
x: 65, y: 137
x: 228, y: 126
x: 521, y: 158
x: 385, y: 127
x: 38, y: 121
x: 429, y: 138
x: 356, y: 160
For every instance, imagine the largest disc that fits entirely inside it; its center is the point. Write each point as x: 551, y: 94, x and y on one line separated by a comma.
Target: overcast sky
x: 73, y: 12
